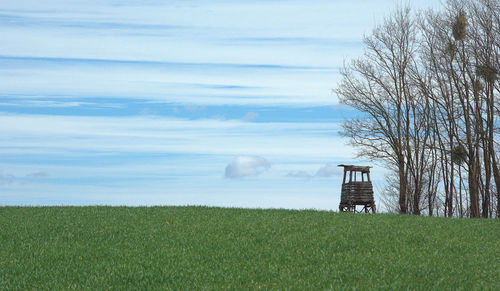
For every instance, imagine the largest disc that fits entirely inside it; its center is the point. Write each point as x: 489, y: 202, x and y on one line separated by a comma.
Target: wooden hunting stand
x: 355, y: 192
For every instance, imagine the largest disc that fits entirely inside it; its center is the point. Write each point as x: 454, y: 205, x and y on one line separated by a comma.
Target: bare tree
x: 378, y: 85
x: 427, y: 91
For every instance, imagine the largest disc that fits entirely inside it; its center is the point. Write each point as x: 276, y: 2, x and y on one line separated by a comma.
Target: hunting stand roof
x: 363, y: 169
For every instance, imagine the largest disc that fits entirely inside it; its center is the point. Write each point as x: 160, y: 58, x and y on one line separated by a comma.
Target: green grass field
x: 185, y: 248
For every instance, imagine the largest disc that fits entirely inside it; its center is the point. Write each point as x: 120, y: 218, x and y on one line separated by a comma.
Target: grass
x: 186, y: 248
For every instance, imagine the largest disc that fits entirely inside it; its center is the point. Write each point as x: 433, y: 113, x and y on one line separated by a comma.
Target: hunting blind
x: 357, y: 189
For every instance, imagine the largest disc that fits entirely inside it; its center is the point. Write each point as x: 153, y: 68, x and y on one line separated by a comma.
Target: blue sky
x: 222, y: 103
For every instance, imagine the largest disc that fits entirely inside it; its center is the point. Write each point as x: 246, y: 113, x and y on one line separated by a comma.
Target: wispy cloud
x: 37, y: 175
x: 26, y: 60
x: 49, y: 103
x: 326, y: 171
x: 6, y: 179
x: 150, y: 134
x: 194, y: 108
x: 166, y: 81
x: 299, y: 174
x: 250, y: 116
x: 295, y: 41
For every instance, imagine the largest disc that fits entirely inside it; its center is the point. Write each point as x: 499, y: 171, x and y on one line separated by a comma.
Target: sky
x: 218, y: 103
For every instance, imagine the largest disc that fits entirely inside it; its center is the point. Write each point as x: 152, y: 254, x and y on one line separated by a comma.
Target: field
x: 186, y: 248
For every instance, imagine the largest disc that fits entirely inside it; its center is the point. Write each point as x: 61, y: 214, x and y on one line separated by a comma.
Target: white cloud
x: 328, y: 171
x: 246, y: 166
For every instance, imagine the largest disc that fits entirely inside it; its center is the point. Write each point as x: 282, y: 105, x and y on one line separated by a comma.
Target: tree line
x: 426, y: 89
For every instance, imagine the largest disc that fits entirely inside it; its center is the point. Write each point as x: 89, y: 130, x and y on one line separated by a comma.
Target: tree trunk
x: 487, y: 179
x: 496, y: 176
x: 473, y: 186
x: 403, y: 183
x: 460, y: 191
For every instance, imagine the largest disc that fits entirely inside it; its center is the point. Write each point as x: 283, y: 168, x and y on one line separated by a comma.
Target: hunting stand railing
x: 356, y: 192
